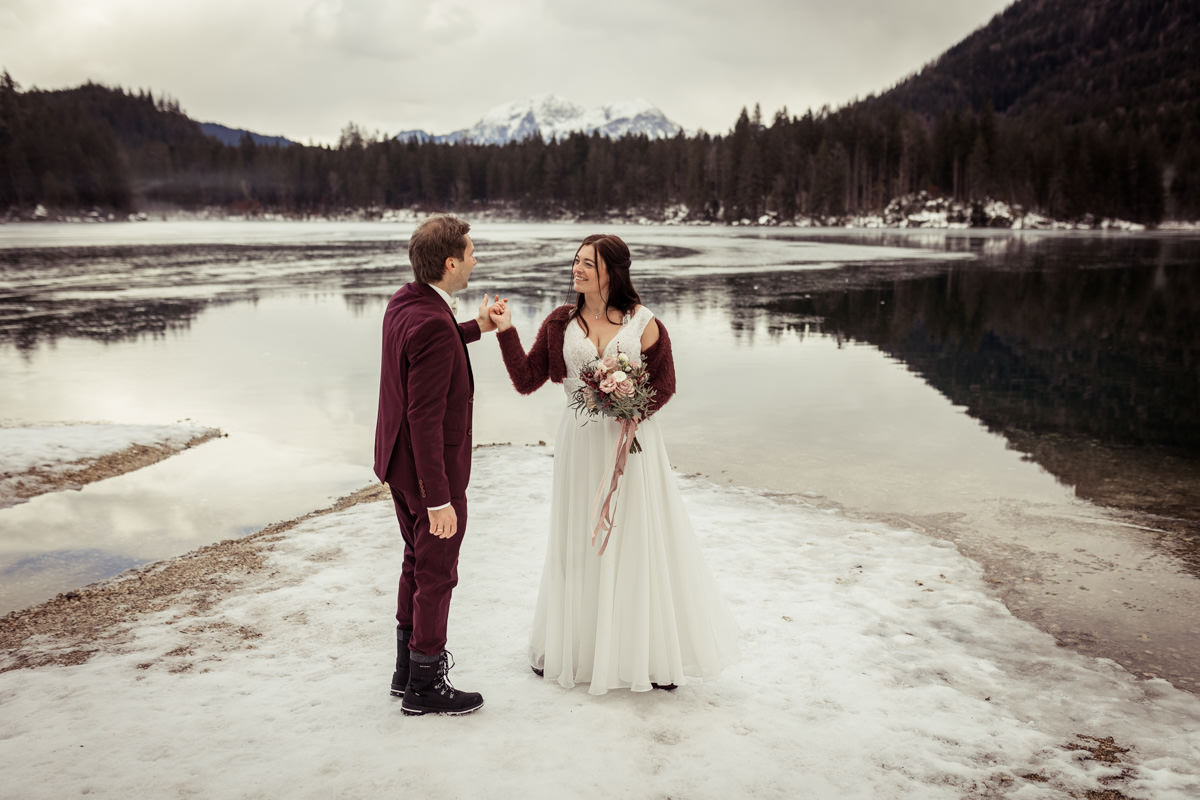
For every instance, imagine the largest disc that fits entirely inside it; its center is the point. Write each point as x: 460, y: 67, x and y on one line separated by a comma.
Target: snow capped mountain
x: 417, y: 135
x: 554, y: 117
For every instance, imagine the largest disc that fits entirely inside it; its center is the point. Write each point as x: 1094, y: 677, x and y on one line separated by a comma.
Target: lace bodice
x: 578, y: 349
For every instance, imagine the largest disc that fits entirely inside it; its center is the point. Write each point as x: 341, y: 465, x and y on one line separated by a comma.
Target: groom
x: 423, y: 453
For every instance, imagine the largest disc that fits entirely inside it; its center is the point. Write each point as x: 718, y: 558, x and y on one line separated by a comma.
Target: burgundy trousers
x: 429, y: 575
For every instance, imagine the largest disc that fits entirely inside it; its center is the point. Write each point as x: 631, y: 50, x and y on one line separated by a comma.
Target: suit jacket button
x: 468, y: 431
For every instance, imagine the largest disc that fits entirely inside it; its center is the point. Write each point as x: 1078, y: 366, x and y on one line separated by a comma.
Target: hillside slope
x: 1078, y: 58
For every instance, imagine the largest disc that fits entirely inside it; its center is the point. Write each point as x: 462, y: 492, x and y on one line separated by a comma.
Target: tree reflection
x: 120, y: 293
x: 1107, y: 353
x: 112, y: 321
x: 1089, y: 368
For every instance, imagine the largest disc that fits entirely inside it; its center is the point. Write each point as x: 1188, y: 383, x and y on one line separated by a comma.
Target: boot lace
x: 443, y: 677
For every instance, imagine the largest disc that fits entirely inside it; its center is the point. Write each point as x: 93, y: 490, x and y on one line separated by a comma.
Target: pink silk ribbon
x: 605, y: 505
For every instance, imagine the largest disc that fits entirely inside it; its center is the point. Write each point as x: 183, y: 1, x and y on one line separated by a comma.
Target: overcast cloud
x: 305, y: 68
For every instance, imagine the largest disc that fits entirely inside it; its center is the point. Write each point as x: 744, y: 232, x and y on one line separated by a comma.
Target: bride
x: 645, y: 613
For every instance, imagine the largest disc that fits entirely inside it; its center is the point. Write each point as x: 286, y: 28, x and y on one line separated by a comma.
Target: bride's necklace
x: 596, y: 315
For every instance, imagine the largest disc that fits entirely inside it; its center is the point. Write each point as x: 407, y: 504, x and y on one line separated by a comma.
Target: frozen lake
x: 1031, y: 397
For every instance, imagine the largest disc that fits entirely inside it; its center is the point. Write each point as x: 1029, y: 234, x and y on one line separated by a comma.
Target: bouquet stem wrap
x: 605, y: 506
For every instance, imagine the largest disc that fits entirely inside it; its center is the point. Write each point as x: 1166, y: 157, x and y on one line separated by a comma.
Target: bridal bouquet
x: 618, y: 387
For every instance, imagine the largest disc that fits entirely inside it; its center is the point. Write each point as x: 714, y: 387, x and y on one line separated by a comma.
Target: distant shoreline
x: 920, y: 211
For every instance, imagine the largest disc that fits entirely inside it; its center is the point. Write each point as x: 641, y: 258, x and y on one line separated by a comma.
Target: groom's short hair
x: 435, y: 240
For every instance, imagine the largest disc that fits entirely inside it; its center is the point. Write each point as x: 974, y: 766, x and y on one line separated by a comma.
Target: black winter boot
x: 400, y: 676
x: 429, y: 690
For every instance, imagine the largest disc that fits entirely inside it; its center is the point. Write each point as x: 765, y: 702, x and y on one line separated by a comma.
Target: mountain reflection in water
x: 1090, y: 368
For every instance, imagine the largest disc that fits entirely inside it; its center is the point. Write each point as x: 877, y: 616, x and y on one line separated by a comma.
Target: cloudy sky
x: 305, y: 68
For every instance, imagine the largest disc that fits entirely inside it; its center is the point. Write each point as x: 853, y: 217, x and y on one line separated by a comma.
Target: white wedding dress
x: 647, y: 611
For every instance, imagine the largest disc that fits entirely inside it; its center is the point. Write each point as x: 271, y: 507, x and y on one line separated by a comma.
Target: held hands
x: 443, y: 522
x: 501, y: 315
x: 491, y: 312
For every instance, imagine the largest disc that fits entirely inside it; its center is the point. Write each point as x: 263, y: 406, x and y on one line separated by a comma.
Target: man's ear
x: 449, y: 266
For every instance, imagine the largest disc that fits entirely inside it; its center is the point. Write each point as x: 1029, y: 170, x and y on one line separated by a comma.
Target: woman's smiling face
x: 589, y: 271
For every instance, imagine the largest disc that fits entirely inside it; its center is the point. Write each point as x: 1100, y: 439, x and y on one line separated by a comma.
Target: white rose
x: 618, y: 376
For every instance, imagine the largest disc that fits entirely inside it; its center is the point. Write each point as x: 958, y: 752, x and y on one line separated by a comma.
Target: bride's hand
x: 500, y: 314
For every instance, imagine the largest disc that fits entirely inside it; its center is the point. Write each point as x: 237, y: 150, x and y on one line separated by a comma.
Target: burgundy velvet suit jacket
x: 426, y: 395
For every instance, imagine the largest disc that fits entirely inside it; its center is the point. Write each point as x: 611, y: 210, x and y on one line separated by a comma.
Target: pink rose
x: 609, y: 362
x: 608, y: 385
x: 625, y: 388
x: 633, y: 364
x: 598, y: 375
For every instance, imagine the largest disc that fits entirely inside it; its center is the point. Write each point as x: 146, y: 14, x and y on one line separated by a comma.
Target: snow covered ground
x: 875, y: 665
x: 37, y: 458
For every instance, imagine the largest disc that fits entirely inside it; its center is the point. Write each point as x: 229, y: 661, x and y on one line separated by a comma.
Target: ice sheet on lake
x: 875, y: 665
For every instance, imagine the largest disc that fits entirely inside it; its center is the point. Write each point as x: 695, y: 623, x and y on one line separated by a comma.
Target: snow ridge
x: 551, y: 116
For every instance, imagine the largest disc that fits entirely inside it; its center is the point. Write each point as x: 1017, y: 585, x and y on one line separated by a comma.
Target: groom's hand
x: 443, y: 522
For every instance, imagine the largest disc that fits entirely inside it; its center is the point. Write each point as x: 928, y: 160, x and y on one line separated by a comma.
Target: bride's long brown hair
x: 621, y: 294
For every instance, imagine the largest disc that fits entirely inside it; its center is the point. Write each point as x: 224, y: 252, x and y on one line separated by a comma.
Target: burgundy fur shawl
x: 545, y: 360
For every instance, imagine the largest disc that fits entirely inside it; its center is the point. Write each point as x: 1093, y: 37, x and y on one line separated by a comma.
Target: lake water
x: 1033, y: 397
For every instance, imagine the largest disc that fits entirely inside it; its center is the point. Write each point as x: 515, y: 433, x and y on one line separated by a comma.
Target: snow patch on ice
x: 55, y: 450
